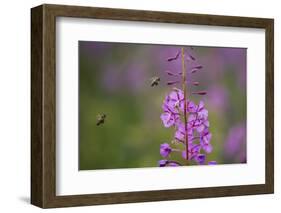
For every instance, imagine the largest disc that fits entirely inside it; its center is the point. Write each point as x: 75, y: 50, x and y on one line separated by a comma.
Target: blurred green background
x: 114, y: 79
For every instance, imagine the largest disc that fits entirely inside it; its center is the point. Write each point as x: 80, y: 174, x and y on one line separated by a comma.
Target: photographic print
x: 150, y: 105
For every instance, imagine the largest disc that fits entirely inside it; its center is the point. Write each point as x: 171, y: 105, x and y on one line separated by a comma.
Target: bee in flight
x: 154, y: 81
x: 100, y: 119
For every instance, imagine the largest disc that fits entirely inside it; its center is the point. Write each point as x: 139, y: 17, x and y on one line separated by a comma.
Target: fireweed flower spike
x: 189, y: 120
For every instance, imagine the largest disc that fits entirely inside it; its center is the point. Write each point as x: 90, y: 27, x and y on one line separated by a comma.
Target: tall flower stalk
x: 184, y: 88
x: 189, y: 120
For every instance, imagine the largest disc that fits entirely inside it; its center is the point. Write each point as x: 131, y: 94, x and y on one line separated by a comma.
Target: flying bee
x: 100, y: 119
x: 154, y: 81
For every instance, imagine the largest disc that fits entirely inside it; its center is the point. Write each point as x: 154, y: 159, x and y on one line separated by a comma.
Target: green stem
x: 184, y: 88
